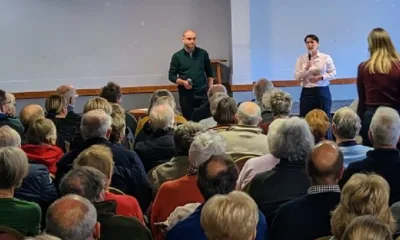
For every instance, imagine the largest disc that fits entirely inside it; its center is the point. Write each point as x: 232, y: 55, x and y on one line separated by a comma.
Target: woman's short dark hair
x: 225, y: 112
x: 313, y: 37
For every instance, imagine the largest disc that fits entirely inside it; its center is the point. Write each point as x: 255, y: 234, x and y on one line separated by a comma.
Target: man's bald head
x: 68, y: 92
x: 29, y: 114
x: 248, y: 113
x: 326, y: 163
x: 71, y: 217
x: 188, y: 31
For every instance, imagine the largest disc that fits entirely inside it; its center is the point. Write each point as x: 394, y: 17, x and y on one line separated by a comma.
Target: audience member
x: 205, y: 110
x: 214, y: 100
x: 70, y: 95
x: 246, y: 138
x: 262, y: 87
x: 218, y: 175
x: 56, y: 108
x: 346, y: 126
x: 17, y: 214
x: 100, y: 157
x: 176, y: 193
x: 4, y: 110
x: 362, y: 195
x: 73, y: 217
x: 89, y: 183
x: 233, y: 216
x: 112, y: 92
x: 40, y: 147
x: 177, y: 167
x: 44, y: 237
x: 120, y: 134
x: 225, y: 114
x: 31, y: 113
x: 289, y: 174
x: 280, y: 103
x: 11, y: 113
x: 367, y: 228
x: 143, y: 124
x: 159, y: 147
x: 129, y: 175
x: 37, y: 186
x: 319, y: 124
x: 384, y: 159
x: 378, y: 79
x: 264, y: 163
x: 309, y: 217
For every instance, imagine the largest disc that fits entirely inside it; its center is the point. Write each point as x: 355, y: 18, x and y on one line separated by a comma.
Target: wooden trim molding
x: 173, y: 88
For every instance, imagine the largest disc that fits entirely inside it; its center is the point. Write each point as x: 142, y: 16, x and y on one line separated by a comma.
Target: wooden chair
x: 7, y: 233
x: 241, y: 160
x: 116, y: 191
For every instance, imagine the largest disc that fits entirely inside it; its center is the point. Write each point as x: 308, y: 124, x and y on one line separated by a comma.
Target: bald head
x: 29, y: 114
x: 248, y: 113
x: 71, y: 217
x: 326, y: 163
x: 68, y: 92
x: 188, y: 32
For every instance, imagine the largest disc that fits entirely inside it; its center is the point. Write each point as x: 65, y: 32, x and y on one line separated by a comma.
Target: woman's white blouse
x: 321, y: 64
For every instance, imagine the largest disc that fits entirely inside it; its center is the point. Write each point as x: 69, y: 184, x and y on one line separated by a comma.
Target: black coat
x: 201, y: 113
x: 129, y: 175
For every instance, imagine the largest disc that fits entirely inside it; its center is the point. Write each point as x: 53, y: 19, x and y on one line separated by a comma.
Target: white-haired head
x: 385, y: 127
x: 96, y: 124
x: 204, y: 146
x: 249, y: 114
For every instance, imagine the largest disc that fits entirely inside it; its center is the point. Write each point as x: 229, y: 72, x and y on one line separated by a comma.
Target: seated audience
x: 11, y: 113
x: 218, y: 175
x: 346, y: 125
x: 177, y: 167
x: 319, y: 124
x: 112, y: 92
x: 225, y: 114
x: 309, y: 217
x: 92, y: 104
x: 362, y: 195
x: 40, y: 147
x: 367, y: 228
x: 289, y: 174
x: 214, y: 100
x: 264, y: 163
x: 31, y: 113
x: 263, y: 87
x: 70, y: 95
x: 129, y: 175
x: 205, y: 110
x: 100, y: 157
x: 384, y: 160
x: 120, y: 134
x: 280, y: 103
x: 159, y: 147
x: 176, y: 193
x: 89, y: 183
x: 4, y: 118
x: 56, y: 108
x: 73, y: 217
x: 143, y: 123
x: 233, y: 216
x: 37, y: 186
x: 17, y: 214
x: 246, y: 138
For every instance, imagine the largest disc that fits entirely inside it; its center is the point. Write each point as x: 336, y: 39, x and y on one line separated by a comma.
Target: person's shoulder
x: 190, y: 225
x: 27, y: 207
x: 178, y: 53
x: 358, y: 165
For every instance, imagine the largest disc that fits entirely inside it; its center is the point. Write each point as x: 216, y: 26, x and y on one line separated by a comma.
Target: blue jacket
x: 129, y: 175
x: 37, y: 186
x: 190, y: 228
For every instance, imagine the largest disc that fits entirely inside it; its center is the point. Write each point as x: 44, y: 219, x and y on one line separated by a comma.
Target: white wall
x: 46, y: 43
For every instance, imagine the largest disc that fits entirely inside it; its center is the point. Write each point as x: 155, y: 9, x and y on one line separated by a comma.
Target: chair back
x: 7, y: 233
x: 116, y: 191
x: 241, y: 160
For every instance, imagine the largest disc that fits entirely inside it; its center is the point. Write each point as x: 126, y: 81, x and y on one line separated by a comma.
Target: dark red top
x: 378, y: 89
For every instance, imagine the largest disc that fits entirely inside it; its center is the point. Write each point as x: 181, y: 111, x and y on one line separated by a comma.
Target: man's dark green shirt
x: 196, y: 66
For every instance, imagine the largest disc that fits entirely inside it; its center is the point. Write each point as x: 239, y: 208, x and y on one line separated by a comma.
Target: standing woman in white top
x: 315, y: 70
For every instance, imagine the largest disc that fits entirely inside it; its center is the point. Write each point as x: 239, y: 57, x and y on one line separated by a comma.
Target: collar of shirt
x: 190, y: 52
x: 323, y: 188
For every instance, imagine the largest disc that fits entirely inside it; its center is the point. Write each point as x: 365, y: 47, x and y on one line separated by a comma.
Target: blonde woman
x: 362, y: 195
x: 378, y: 79
x: 367, y: 228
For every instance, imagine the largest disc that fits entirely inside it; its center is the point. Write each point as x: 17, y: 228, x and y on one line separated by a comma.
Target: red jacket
x: 47, y: 155
x: 126, y: 205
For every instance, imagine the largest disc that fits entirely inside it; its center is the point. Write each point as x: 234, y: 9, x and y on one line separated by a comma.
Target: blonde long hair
x: 382, y: 52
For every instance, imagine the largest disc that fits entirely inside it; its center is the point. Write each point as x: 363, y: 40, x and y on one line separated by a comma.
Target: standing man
x: 191, y: 69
